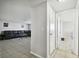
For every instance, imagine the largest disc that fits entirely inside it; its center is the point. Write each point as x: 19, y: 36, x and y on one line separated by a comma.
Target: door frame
x: 48, y: 31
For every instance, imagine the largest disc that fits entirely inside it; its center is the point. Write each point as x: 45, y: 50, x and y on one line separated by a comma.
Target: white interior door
x: 51, y: 30
x: 52, y: 37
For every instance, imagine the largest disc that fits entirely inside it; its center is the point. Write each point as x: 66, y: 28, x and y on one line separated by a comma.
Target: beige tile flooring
x: 15, y: 48
x: 20, y: 48
x: 63, y: 54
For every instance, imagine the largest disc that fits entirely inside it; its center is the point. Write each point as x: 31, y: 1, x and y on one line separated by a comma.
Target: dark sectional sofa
x: 14, y: 34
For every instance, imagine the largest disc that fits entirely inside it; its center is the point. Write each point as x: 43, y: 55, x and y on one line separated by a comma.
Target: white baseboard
x: 36, y: 55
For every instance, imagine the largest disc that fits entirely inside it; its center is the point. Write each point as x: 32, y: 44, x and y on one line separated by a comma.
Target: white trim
x: 36, y: 55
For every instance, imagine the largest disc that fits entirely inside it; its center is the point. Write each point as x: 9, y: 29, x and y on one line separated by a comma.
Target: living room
x: 15, y: 28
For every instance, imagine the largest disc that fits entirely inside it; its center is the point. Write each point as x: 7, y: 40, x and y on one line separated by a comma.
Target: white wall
x: 71, y: 16
x: 16, y: 13
x: 13, y: 26
x: 77, y: 8
x: 39, y: 30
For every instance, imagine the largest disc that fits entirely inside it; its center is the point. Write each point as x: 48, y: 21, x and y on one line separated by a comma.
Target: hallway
x: 63, y: 54
x: 62, y: 27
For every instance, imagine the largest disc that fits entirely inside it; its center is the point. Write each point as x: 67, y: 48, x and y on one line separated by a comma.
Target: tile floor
x: 15, y: 48
x: 63, y: 54
x: 20, y: 48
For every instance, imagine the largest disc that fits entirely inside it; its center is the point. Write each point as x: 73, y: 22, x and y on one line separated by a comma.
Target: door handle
x: 62, y: 39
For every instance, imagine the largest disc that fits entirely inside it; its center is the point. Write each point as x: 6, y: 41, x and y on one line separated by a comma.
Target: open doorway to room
x: 63, y: 28
x: 15, y: 29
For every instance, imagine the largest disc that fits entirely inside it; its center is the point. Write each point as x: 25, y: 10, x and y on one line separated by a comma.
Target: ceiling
x: 18, y: 10
x: 35, y: 2
x: 63, y: 5
x: 15, y: 10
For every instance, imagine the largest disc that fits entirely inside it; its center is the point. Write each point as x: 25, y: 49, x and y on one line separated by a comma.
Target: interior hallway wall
x: 77, y: 8
x: 39, y: 30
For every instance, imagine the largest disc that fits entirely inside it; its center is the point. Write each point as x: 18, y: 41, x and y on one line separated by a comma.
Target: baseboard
x: 36, y: 55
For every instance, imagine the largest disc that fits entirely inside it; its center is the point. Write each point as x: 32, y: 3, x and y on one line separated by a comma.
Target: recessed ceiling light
x: 60, y: 0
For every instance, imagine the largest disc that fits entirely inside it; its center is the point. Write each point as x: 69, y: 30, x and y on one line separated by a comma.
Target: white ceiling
x: 59, y: 6
x: 15, y: 10
x: 35, y: 2
x: 8, y: 6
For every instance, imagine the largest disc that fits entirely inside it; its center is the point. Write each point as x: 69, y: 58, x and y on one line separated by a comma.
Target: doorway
x: 65, y: 35
x: 62, y: 32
